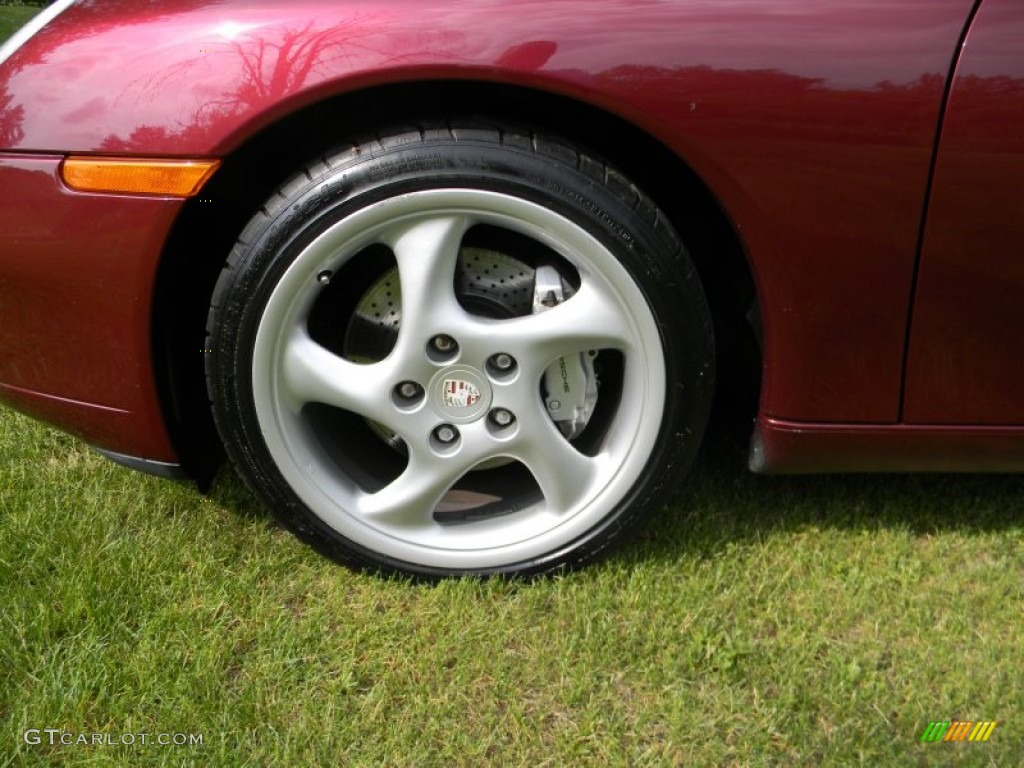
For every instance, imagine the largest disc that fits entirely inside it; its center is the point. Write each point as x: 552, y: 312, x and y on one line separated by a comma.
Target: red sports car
x: 454, y: 284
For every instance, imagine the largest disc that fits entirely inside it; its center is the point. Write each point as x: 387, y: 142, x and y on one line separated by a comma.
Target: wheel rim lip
x: 332, y: 496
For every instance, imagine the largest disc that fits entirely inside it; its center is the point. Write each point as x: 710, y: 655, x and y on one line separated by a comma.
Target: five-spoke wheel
x: 458, y: 356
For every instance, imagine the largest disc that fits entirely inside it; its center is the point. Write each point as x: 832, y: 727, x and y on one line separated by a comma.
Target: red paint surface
x: 76, y: 272
x: 812, y: 123
x: 795, y: 448
x: 966, y: 358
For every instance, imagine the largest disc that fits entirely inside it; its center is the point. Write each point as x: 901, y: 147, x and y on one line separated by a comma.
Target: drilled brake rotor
x: 487, y: 283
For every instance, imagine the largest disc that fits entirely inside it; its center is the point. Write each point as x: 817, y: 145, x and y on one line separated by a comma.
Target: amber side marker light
x: 137, y: 176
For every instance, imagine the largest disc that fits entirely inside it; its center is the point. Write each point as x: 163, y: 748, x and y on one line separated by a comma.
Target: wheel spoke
x: 565, y: 476
x: 313, y: 374
x: 410, y: 499
x: 426, y: 252
x: 592, y: 319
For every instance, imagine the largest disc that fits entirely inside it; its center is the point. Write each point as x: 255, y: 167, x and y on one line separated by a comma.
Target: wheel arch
x: 204, y: 233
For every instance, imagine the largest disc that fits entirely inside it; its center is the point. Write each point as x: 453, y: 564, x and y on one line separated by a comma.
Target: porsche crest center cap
x: 460, y: 394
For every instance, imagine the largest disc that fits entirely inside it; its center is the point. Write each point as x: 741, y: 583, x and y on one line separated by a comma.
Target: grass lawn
x: 12, y: 17
x: 758, y: 622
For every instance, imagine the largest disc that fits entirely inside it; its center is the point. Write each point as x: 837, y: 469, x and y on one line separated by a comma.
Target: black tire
x: 267, y: 297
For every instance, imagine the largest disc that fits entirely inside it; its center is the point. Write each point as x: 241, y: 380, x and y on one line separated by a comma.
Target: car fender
x: 812, y: 124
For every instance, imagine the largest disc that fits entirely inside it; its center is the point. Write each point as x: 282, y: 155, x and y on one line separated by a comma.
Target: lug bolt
x: 554, y: 405
x: 446, y: 434
x: 502, y: 361
x: 408, y: 389
x: 502, y: 417
x: 443, y: 343
x: 324, y: 277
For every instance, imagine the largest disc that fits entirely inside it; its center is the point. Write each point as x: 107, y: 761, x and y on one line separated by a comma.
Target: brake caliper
x: 570, y: 384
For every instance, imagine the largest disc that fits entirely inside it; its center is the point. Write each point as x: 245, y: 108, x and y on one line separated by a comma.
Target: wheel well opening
x: 209, y: 224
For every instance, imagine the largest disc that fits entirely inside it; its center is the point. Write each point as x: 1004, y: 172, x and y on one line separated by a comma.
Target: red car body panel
x: 965, y: 363
x: 76, y: 273
x: 787, y: 447
x: 813, y: 124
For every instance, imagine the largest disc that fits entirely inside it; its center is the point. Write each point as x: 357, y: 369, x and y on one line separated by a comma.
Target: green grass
x: 14, y: 16
x: 760, y: 621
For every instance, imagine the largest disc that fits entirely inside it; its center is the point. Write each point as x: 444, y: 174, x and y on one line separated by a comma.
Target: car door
x: 965, y: 362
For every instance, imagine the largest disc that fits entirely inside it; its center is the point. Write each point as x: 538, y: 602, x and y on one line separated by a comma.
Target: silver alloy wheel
x: 424, y: 231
